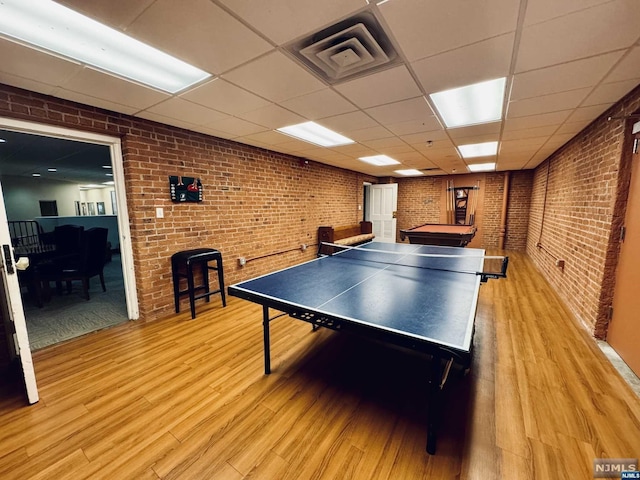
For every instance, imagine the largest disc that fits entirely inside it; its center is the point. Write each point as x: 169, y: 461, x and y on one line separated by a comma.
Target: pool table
x: 450, y: 235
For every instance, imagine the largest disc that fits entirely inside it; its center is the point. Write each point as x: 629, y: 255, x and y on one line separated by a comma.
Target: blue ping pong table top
x: 431, y: 299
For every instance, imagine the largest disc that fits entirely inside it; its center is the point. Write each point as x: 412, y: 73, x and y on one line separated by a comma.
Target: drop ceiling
x: 565, y: 62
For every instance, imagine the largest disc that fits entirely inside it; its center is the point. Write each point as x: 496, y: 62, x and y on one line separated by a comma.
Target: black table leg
x: 267, y: 348
x: 439, y: 374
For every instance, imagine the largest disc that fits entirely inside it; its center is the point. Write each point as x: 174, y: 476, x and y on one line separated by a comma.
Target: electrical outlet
x: 303, y: 247
x: 242, y: 261
x: 560, y: 263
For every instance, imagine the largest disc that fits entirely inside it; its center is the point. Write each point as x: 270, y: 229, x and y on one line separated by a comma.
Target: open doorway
x: 75, y: 169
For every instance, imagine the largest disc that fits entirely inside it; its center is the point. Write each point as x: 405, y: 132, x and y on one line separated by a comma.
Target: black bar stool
x: 182, y: 264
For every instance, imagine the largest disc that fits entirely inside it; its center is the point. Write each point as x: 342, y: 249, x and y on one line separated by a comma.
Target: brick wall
x: 577, y: 208
x: 420, y: 201
x: 257, y: 203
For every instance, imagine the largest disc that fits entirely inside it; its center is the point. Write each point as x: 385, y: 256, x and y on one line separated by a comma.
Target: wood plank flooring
x: 187, y: 399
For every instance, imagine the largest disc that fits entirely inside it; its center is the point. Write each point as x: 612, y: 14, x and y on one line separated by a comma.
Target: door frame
x: 12, y: 304
x: 124, y: 230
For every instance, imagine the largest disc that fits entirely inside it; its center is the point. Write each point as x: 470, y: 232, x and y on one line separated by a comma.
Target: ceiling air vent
x: 353, y: 47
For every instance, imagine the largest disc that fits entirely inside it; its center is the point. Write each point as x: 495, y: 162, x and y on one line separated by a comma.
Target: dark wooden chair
x: 87, y: 264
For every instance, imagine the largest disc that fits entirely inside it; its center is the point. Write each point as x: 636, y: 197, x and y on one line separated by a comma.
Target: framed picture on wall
x: 83, y: 207
x: 78, y: 211
x: 91, y: 207
x: 100, y: 207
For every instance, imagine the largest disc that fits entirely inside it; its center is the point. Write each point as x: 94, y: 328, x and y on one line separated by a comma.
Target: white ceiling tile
x: 187, y: 111
x: 532, y: 121
x: 284, y: 20
x: 627, y: 68
x: 236, y: 127
x: 611, y: 92
x: 269, y: 137
x: 424, y: 137
x: 424, y: 28
x: 515, y: 147
x: 389, y: 142
x: 96, y: 102
x: 275, y: 77
x: 355, y: 150
x: 376, y: 89
x: 273, y: 117
x: 100, y: 85
x: 156, y: 117
x: 573, y: 127
x: 320, y: 104
x: 510, y: 133
x: 20, y: 61
x: 348, y: 122
x: 225, y: 97
x: 491, y: 129
x: 105, y: 12
x: 198, y: 32
x: 547, y: 103
x: 582, y: 34
x: 412, y: 109
x: 542, y: 10
x: 556, y: 141
x: 33, y: 85
x: 560, y: 78
x: 467, y: 65
x: 450, y: 44
x: 414, y: 126
x: 588, y: 113
x: 370, y: 133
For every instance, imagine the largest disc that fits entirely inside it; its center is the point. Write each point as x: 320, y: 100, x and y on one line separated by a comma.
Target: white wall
x: 22, y: 196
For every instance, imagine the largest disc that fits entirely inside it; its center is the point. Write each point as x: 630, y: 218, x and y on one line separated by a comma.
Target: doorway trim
x: 115, y: 150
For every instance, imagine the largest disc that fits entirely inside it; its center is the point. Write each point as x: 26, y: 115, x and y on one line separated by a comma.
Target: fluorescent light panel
x: 317, y: 134
x: 379, y: 160
x: 51, y: 27
x: 482, y: 167
x: 471, y: 105
x: 478, y: 149
x: 409, y: 172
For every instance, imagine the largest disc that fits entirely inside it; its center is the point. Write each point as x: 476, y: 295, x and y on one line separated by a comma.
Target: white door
x: 11, y: 303
x: 383, y: 203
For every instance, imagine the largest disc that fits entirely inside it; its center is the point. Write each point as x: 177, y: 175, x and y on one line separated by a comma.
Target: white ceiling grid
x: 565, y: 61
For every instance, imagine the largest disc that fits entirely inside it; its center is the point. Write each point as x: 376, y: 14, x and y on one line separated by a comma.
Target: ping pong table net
x: 485, y: 266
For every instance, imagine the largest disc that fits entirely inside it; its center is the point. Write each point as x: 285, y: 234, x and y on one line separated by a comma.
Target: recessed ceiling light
x: 106, y: 166
x: 35, y: 174
x: 471, y: 105
x: 2, y: 140
x: 90, y: 185
x: 108, y: 183
x: 52, y: 169
x: 109, y: 174
x: 409, y: 172
x: 478, y: 149
x: 482, y: 167
x: 379, y: 160
x: 62, y: 31
x: 317, y: 134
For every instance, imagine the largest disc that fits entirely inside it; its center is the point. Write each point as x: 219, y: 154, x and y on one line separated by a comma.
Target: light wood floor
x: 188, y: 399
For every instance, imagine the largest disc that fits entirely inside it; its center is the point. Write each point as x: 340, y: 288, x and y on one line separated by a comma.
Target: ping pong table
x: 421, y: 297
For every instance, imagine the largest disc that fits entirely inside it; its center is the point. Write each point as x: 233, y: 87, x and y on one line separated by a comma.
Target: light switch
x: 159, y: 212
